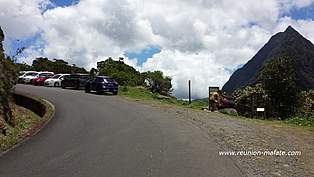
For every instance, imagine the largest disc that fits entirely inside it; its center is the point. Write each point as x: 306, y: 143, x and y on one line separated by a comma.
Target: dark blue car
x: 102, y: 84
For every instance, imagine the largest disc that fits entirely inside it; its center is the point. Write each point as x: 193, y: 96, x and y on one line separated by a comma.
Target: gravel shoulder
x: 237, y: 134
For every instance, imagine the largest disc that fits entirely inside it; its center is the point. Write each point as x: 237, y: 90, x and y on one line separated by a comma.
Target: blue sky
x: 303, y: 13
x: 144, y: 54
x: 64, y: 2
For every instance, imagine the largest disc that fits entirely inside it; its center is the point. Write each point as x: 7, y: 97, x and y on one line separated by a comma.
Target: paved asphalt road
x: 105, y: 136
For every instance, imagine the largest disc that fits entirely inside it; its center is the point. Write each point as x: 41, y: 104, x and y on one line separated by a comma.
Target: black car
x: 76, y: 81
x: 102, y: 84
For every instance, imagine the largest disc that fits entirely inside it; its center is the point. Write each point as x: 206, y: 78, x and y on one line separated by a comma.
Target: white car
x: 24, y: 74
x: 55, y: 81
x: 30, y: 78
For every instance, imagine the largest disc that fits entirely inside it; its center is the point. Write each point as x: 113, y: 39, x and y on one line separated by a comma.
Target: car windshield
x: 109, y: 80
x: 33, y: 74
x: 56, y: 76
x: 30, y: 74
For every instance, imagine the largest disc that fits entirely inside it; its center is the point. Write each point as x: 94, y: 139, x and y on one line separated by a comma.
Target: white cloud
x: 200, y: 39
x: 20, y: 19
x: 200, y: 68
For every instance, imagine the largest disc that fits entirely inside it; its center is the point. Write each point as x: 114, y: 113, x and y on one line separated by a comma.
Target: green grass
x: 26, y: 124
x: 141, y: 93
x: 301, y: 121
x: 25, y: 121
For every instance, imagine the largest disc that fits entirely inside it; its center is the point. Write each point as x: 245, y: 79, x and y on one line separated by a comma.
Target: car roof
x: 79, y: 74
x: 105, y: 77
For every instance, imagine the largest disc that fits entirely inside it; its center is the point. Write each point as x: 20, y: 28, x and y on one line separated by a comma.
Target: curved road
x: 106, y: 136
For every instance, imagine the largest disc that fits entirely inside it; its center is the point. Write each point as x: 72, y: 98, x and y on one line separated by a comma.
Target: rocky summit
x: 289, y: 43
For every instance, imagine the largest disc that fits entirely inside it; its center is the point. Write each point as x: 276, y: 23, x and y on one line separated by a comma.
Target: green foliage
x: 279, y: 81
x: 121, y: 72
x: 23, y: 67
x: 301, y: 121
x: 306, y: 104
x: 250, y: 98
x: 158, y: 83
x: 56, y: 66
x: 8, y: 78
x: 124, y: 88
x: 142, y: 93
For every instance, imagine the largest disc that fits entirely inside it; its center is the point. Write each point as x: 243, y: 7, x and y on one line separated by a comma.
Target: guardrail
x: 30, y: 103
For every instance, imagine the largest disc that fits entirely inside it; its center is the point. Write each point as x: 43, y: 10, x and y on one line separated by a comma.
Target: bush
x: 306, y: 104
x: 301, y: 121
x: 278, y: 78
x: 8, y: 78
x: 124, y: 88
x: 250, y: 98
x: 158, y: 83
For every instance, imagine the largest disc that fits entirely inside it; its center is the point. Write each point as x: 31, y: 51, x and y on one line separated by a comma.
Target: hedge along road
x: 105, y: 136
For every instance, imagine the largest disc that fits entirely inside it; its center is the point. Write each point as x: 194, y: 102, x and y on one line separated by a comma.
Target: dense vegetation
x: 123, y: 73
x: 56, y: 66
x: 157, y: 82
x: 126, y: 75
x: 277, y: 92
x: 8, y: 78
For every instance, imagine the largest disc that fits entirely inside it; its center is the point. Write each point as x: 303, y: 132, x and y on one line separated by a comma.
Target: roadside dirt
x: 241, y: 134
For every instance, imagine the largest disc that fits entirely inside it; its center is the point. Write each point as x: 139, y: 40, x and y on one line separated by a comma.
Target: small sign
x: 260, y: 109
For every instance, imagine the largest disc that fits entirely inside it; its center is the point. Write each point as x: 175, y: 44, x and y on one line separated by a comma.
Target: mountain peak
x: 288, y: 43
x: 290, y: 30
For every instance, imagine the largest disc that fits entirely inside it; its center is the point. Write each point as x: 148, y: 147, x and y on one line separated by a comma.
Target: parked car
x: 23, y: 74
x: 39, y: 81
x: 76, y: 81
x: 55, y: 81
x: 102, y: 84
x: 30, y: 79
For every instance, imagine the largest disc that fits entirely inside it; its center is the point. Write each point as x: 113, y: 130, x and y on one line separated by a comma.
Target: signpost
x: 262, y: 110
x: 189, y: 91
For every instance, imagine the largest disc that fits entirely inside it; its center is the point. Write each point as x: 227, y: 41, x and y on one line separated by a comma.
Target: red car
x: 40, y: 81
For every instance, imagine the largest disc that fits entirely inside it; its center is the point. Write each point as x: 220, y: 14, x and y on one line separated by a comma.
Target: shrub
x: 278, y: 78
x: 306, y: 104
x: 8, y: 78
x: 158, y: 83
x: 250, y: 98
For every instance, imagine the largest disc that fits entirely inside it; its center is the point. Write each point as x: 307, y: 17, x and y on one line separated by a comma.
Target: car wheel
x: 115, y: 93
x: 56, y: 84
x: 87, y: 89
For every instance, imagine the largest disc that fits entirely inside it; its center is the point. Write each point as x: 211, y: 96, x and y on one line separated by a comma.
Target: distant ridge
x: 288, y: 43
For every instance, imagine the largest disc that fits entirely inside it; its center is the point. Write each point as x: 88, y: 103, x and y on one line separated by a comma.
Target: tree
x: 157, y: 82
x: 121, y: 72
x: 278, y: 78
x: 8, y: 78
x: 56, y: 66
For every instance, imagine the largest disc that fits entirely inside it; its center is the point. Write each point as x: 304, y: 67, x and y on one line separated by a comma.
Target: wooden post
x: 189, y: 91
x: 209, y: 103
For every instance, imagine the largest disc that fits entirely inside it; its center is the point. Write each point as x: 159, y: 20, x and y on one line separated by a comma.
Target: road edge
x: 50, y: 112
